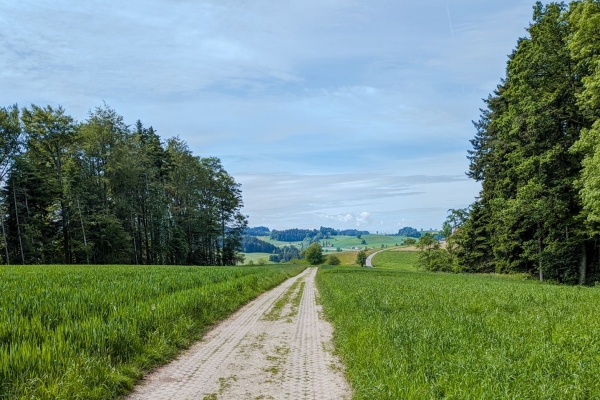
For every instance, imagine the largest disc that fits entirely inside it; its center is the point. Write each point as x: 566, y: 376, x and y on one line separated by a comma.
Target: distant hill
x: 257, y: 231
x: 251, y: 244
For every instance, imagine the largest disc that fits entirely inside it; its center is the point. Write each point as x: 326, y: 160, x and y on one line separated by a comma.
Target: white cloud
x: 358, y: 219
x: 353, y: 200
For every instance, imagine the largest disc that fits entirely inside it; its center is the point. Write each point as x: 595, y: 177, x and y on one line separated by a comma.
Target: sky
x: 347, y: 114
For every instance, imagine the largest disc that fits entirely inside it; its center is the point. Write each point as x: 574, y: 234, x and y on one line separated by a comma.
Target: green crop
x: 89, y: 332
x: 398, y: 260
x: 411, y: 335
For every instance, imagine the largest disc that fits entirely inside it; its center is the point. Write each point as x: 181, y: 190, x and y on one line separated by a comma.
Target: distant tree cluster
x: 287, y: 253
x: 314, y: 254
x: 251, y: 244
x: 352, y: 232
x: 409, y: 232
x: 536, y: 154
x: 100, y: 191
x: 257, y: 231
x: 292, y: 235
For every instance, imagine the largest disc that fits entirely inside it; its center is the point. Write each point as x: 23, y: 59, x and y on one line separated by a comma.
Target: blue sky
x: 328, y: 112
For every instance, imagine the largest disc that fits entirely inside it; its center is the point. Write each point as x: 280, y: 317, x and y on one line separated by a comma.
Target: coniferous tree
x: 101, y: 192
x: 529, y: 214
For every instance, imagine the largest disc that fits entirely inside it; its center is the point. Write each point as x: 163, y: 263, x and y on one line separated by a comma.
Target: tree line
x: 537, y: 155
x: 251, y: 244
x: 103, y: 192
x: 312, y: 235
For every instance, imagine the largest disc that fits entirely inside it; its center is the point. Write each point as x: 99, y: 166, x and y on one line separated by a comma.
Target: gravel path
x: 275, y: 347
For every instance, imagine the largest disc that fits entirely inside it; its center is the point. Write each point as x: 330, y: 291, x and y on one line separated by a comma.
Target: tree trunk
x: 4, y: 236
x: 133, y: 235
x: 63, y: 209
x: 66, y: 247
x: 18, y: 227
x: 223, y: 237
x: 582, y: 265
x: 87, y: 256
x: 28, y: 217
x: 540, y: 260
x: 146, y: 239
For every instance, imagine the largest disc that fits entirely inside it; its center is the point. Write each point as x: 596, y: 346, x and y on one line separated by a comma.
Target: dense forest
x: 251, y: 244
x: 102, y: 192
x: 537, y: 156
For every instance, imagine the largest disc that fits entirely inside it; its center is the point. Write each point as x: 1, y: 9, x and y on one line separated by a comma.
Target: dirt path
x: 275, y: 347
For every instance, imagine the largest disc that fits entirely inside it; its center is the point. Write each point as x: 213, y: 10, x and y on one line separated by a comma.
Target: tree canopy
x: 537, y: 155
x: 361, y: 258
x: 314, y: 254
x: 101, y: 191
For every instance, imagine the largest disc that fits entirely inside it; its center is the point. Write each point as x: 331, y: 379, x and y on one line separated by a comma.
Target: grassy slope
x: 372, y: 241
x: 416, y: 335
x: 70, y: 332
x: 397, y: 260
x: 255, y: 256
x: 279, y: 243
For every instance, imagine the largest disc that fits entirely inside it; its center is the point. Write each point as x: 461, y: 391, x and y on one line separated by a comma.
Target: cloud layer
x: 380, y: 201
x: 322, y: 109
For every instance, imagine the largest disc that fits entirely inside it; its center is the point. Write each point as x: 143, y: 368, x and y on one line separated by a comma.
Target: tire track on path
x: 308, y: 371
x: 249, y: 356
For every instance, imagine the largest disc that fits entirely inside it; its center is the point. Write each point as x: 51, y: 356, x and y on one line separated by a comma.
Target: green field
x: 376, y: 241
x: 418, y: 335
x: 254, y: 257
x: 397, y: 260
x: 280, y: 243
x: 347, y: 258
x: 73, y: 332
